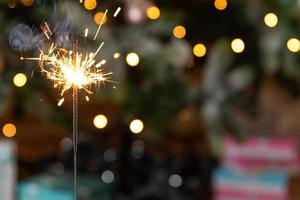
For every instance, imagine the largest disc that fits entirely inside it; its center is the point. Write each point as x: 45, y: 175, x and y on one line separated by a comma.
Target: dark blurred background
x: 204, y: 103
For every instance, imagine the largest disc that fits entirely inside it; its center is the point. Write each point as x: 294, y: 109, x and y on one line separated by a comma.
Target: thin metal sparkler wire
x: 75, y: 121
x: 75, y: 136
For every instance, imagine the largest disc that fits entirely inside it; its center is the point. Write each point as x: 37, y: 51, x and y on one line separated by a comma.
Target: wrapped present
x: 257, y: 154
x: 7, y: 170
x: 233, y: 185
x: 61, y: 188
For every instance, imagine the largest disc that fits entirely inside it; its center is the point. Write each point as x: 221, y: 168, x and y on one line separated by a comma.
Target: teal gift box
x: 8, y: 169
x: 229, y: 184
x: 61, y: 188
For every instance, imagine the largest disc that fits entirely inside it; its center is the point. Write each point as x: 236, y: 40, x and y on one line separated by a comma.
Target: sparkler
x: 73, y: 70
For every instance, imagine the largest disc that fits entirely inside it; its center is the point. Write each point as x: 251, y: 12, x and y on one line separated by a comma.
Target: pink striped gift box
x: 257, y: 154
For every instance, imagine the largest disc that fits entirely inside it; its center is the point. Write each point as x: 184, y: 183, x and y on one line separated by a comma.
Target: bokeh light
x: 20, y: 79
x: 175, y: 180
x: 100, y: 121
x: 11, y: 4
x: 238, y: 45
x: 293, y: 45
x: 220, y: 4
x: 132, y: 59
x: 117, y: 55
x: 110, y: 155
x: 137, y: 149
x: 179, y: 32
x: 135, y: 14
x: 9, y: 130
x: 199, y: 50
x: 107, y: 176
x: 66, y: 144
x: 27, y: 2
x: 153, y: 12
x: 98, y: 18
x: 271, y: 20
x: 136, y: 126
x: 90, y: 4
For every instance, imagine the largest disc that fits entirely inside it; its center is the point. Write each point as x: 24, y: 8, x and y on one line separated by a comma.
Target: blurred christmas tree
x: 183, y: 68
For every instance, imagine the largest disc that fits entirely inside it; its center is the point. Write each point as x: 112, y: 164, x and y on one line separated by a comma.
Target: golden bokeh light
x: 90, y: 4
x: 293, y: 45
x: 132, y: 59
x: 99, y: 16
x: 9, y: 130
x: 117, y: 55
x: 27, y: 2
x: 20, y: 79
x: 271, y: 20
x: 220, y: 4
x: 238, y: 45
x: 136, y: 126
x: 100, y: 121
x: 153, y: 12
x: 179, y: 32
x: 199, y: 50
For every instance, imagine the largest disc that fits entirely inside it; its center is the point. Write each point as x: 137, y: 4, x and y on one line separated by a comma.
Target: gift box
x: 258, y: 168
x: 256, y: 154
x: 61, y: 188
x: 236, y: 185
x: 7, y: 170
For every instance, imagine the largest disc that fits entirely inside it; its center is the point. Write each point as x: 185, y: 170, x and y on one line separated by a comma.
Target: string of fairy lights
x: 136, y: 126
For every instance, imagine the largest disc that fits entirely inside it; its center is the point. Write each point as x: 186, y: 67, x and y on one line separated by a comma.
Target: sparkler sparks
x: 100, y: 25
x: 86, y: 32
x: 117, y: 11
x: 71, y: 68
